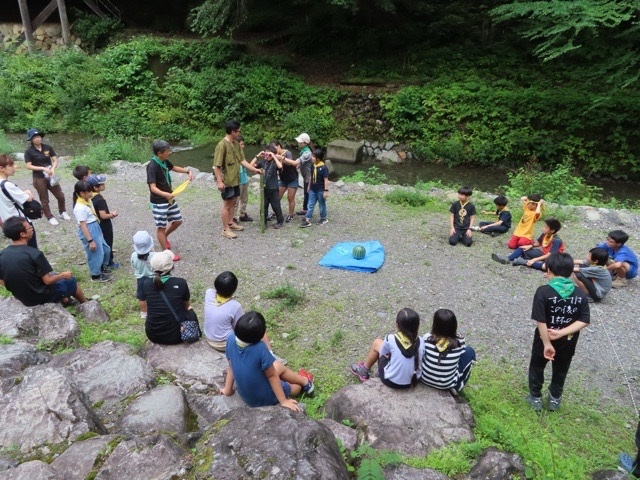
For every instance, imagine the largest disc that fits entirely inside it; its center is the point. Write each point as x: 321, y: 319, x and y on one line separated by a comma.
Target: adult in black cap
x: 42, y: 160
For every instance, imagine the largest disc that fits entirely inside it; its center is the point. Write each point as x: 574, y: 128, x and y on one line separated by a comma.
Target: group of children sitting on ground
x: 609, y: 265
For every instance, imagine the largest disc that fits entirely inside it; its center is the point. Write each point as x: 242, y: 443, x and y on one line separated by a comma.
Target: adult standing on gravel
x: 42, y: 160
x: 227, y: 159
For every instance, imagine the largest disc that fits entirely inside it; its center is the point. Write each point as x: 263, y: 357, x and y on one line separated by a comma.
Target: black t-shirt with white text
x: 557, y: 312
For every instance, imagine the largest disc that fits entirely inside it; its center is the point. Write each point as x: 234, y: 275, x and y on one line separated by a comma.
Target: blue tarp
x: 341, y: 256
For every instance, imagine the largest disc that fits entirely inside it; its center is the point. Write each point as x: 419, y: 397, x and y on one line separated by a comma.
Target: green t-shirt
x: 228, y: 156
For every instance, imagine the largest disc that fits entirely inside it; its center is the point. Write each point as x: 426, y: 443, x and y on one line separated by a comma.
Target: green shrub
x: 372, y: 176
x: 99, y: 155
x: 7, y: 147
x: 408, y: 198
x: 94, y: 32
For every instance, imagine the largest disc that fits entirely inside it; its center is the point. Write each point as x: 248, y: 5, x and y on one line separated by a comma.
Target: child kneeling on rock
x: 260, y: 379
x: 399, y: 356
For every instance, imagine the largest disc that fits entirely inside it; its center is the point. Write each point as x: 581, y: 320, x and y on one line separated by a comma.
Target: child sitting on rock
x: 261, y: 381
x: 502, y: 224
x: 399, y: 356
x: 591, y: 275
x: 448, y: 359
x: 534, y: 255
x: 523, y: 234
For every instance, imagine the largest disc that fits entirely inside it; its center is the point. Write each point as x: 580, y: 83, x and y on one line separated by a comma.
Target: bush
x: 94, y: 32
x: 99, y: 155
x: 408, y: 198
x: 6, y: 147
x: 372, y: 176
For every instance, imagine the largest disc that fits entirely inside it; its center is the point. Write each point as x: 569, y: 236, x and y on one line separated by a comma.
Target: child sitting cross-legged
x: 591, y: 275
x: 534, y: 255
x: 503, y: 221
x: 399, y: 355
x: 260, y: 379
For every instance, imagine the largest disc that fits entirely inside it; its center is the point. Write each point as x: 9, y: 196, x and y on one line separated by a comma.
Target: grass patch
x: 99, y: 155
x: 6, y: 340
x: 409, y: 198
x: 289, y: 296
x: 371, y: 176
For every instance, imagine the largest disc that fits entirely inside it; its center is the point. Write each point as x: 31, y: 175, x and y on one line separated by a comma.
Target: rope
x: 615, y: 352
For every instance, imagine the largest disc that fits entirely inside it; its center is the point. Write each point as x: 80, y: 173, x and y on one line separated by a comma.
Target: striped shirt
x: 441, y: 372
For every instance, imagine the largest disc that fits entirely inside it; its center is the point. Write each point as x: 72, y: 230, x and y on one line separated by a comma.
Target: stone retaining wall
x: 47, y: 37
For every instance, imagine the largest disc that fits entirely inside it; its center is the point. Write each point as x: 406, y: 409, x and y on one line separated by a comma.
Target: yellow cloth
x: 86, y: 203
x: 180, y: 188
x: 314, y: 173
x: 404, y: 340
x: 526, y: 223
x: 220, y: 300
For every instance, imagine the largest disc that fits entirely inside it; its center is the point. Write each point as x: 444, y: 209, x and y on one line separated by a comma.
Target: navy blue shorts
x: 286, y: 387
x: 230, y: 192
x: 64, y: 288
x: 382, y: 362
x: 139, y: 294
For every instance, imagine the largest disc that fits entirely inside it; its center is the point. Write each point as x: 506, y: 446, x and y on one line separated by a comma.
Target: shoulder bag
x: 31, y: 209
x: 189, y: 327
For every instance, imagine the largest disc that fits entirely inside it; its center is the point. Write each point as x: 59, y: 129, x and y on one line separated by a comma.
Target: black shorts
x: 230, y: 192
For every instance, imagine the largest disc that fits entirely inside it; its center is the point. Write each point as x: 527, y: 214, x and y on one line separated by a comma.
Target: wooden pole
x: 26, y: 23
x: 263, y: 220
x: 64, y: 22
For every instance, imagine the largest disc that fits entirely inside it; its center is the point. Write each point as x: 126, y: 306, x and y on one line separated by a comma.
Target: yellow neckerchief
x: 241, y: 344
x: 314, y: 173
x: 220, y: 300
x: 546, y: 240
x: 403, y: 339
x: 442, y: 345
x: 86, y: 203
x: 463, y: 211
x: 505, y: 209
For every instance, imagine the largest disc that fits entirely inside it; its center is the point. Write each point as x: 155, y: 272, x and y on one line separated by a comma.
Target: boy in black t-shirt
x: 561, y: 310
x: 270, y: 165
x: 463, y: 214
x: 103, y: 213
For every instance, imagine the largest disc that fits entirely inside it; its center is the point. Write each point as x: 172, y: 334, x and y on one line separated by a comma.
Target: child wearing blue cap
x: 104, y: 214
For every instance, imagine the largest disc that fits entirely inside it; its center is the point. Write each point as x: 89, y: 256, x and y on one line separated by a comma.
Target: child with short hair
x: 399, y: 356
x: 104, y: 215
x: 448, y: 359
x: 261, y: 380
x: 81, y: 172
x: 318, y: 189
x: 591, y: 275
x: 534, y: 255
x: 502, y: 225
x: 221, y: 310
x: 531, y: 211
x: 463, y: 214
x: 623, y: 262
x: 141, y: 264
x: 270, y: 165
x: 95, y: 248
x: 560, y: 311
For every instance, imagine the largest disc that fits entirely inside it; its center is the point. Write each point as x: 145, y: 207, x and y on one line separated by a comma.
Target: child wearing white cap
x: 140, y: 261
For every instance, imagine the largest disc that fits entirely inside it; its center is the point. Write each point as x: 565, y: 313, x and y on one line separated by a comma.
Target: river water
x: 408, y: 173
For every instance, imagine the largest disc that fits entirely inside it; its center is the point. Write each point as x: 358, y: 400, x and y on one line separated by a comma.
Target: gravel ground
x: 343, y: 311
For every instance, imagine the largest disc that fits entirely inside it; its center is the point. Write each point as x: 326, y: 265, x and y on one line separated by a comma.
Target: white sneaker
x: 65, y: 216
x: 53, y: 221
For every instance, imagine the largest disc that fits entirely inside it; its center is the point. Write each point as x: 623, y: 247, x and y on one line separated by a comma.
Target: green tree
x: 603, y: 33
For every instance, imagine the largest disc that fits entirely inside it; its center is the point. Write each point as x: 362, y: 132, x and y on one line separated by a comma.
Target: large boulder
x: 92, y: 311
x: 55, y: 324
x: 17, y: 356
x: 195, y: 362
x: 345, y: 151
x: 16, y: 319
x: 106, y: 371
x: 34, y: 470
x: 150, y: 458
x: 405, y: 472
x: 210, y: 408
x: 163, y: 409
x: 497, y: 465
x: 77, y: 461
x: 269, y: 442
x: 422, y: 419
x: 44, y: 407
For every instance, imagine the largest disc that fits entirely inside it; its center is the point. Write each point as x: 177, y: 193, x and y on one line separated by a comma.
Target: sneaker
x: 474, y: 229
x: 114, y: 265
x: 278, y: 225
x: 53, y: 221
x: 534, y: 402
x: 103, y: 277
x: 236, y: 227
x: 65, y: 216
x: 288, y: 219
x: 619, y: 283
x: 143, y: 314
x: 308, y: 388
x: 361, y: 371
x: 176, y: 257
x: 626, y: 462
x: 228, y: 234
x: 245, y: 218
x: 271, y: 216
x: 305, y: 223
x: 553, y: 403
x: 301, y: 212
x: 519, y: 262
x: 105, y: 269
x: 323, y: 221
x: 499, y: 258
